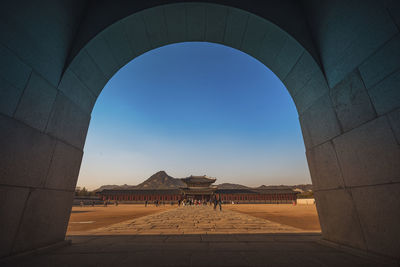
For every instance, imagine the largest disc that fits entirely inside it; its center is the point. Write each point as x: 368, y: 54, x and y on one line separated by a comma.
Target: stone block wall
x: 339, y: 60
x: 40, y: 141
x: 356, y: 170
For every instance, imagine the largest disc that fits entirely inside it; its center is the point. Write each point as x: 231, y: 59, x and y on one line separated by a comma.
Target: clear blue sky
x: 194, y: 109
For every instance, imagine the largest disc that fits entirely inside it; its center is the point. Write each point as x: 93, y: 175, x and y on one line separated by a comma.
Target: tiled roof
x: 142, y: 191
x: 255, y: 191
x: 177, y: 191
x: 198, y: 179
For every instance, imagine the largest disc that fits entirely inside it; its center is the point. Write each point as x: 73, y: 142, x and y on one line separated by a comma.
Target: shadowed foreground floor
x: 196, y: 250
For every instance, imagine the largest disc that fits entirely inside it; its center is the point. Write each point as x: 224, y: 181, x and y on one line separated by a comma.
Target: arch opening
x: 194, y: 108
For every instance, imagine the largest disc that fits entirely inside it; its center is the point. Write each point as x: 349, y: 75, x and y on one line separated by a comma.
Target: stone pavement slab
x: 195, y: 220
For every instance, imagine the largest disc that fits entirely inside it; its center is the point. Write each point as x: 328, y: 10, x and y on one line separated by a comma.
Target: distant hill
x: 114, y: 186
x: 161, y: 180
x: 232, y: 186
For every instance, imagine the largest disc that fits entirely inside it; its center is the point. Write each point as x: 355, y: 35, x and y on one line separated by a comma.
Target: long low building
x: 200, y: 188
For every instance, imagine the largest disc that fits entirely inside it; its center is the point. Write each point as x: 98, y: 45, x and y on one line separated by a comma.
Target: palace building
x: 201, y: 188
x: 198, y: 188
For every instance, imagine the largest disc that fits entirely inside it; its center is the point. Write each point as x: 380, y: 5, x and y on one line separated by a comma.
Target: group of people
x: 216, y: 202
x: 191, y: 202
x: 157, y: 203
x: 106, y: 202
x: 195, y: 202
x: 82, y: 204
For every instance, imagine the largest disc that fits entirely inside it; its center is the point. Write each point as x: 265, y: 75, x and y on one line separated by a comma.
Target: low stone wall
x: 306, y: 201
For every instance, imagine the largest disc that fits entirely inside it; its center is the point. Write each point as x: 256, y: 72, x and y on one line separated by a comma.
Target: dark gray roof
x: 198, y: 179
x: 256, y: 191
x: 276, y: 191
x: 177, y: 191
x: 141, y: 191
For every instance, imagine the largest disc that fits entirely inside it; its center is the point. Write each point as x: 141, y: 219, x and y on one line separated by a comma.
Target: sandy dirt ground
x: 304, y: 217
x: 88, y: 218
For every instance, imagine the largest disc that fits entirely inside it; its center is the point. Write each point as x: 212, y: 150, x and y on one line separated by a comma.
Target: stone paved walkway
x: 195, y: 220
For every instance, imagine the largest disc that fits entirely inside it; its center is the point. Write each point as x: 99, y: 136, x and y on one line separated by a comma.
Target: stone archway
x: 350, y: 126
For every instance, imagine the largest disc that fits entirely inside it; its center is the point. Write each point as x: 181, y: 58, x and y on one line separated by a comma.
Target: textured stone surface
x: 339, y: 218
x: 25, y: 154
x: 319, y: 123
x: 40, y: 33
x: 394, y: 119
x: 195, y: 22
x: 393, y: 7
x: 286, y: 53
x: 12, y: 69
x: 9, y: 97
x: 44, y: 220
x: 99, y: 51
x: 384, y: 62
x: 68, y: 122
x: 118, y: 43
x: 311, y: 92
x: 386, y: 94
x: 378, y: 208
x: 369, y: 154
x: 351, y: 102
x: 88, y: 72
x: 235, y: 27
x: 361, y: 29
x: 136, y: 32
x: 175, y: 18
x: 256, y: 30
x: 216, y: 23
x: 76, y: 91
x: 12, y: 201
x: 324, y: 167
x: 274, y: 40
x: 36, y: 102
x: 64, y: 167
x: 302, y: 72
x: 156, y: 29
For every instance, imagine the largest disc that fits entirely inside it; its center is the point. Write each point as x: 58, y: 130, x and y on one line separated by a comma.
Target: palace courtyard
x: 167, y: 219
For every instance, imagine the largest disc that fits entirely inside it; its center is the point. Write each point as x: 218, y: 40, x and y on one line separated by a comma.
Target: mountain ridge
x: 161, y: 180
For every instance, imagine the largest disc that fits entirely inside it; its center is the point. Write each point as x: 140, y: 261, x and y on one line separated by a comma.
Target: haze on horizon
x: 194, y: 108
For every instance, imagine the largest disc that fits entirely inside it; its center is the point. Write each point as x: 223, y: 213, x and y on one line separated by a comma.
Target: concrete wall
x: 339, y: 60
